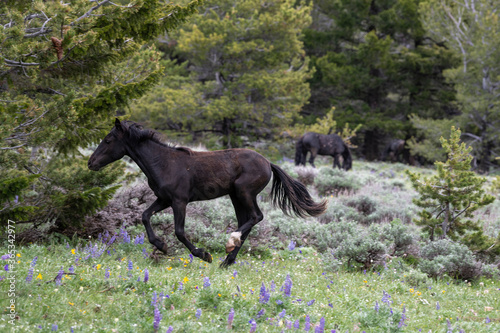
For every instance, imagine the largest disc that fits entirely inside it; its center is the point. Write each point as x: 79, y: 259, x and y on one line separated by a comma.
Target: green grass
x: 90, y: 302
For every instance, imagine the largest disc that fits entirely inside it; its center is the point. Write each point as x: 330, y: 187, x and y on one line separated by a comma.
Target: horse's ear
x: 118, y: 124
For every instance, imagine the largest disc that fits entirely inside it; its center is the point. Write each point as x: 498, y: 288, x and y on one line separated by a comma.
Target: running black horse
x: 179, y: 175
x: 322, y: 144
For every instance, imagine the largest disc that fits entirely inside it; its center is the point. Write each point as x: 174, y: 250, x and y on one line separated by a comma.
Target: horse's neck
x: 146, y: 155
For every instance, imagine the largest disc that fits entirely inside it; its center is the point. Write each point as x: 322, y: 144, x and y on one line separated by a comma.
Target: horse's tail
x: 347, y: 164
x: 292, y: 196
x: 299, y: 146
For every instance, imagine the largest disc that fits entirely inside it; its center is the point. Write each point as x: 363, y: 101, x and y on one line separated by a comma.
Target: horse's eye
x: 107, y: 141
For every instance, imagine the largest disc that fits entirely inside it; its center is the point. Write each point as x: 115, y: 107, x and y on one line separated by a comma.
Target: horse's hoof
x: 226, y: 263
x: 230, y: 249
x: 202, y: 254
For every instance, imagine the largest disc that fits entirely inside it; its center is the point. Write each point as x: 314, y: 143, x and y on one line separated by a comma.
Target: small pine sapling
x: 449, y: 198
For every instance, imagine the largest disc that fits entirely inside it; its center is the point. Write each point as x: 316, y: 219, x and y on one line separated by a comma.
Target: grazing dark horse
x: 179, y: 175
x: 394, y: 150
x: 322, y: 144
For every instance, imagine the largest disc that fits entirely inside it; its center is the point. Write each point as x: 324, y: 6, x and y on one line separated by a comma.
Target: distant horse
x: 322, y: 144
x: 179, y: 175
x: 395, y: 151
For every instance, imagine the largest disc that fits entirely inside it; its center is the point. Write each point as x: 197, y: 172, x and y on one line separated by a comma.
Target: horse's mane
x: 138, y: 134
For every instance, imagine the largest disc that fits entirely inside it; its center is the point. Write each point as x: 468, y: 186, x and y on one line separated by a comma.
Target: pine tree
x: 449, y: 198
x: 66, y: 69
x: 243, y: 71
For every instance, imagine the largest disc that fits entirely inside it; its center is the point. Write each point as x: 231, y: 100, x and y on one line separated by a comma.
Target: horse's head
x: 110, y: 149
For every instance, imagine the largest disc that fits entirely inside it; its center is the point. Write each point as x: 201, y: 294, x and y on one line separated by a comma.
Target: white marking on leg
x: 235, y: 239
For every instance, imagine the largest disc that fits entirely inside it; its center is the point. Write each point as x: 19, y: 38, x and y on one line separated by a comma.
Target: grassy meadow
x: 286, y: 277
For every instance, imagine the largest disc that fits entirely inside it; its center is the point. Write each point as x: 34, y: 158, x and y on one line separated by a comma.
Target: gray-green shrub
x: 445, y: 256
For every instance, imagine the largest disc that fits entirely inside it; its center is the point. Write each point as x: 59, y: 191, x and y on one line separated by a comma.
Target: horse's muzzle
x: 92, y: 165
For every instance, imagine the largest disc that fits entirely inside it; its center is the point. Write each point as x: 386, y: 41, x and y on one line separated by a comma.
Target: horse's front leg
x: 336, y: 162
x: 179, y: 208
x: 157, y: 206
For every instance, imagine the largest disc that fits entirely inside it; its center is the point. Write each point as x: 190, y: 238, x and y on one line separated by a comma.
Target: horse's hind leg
x: 314, y: 152
x: 248, y: 214
x: 336, y: 162
x: 157, y: 206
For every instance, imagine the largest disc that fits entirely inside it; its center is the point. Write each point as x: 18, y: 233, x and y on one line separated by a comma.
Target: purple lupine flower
x: 181, y: 286
x: 138, y: 279
x: 291, y: 246
x: 31, y: 270
x: 112, y: 240
x: 191, y: 258
x: 386, y: 298
x: 296, y: 325
x: 403, y: 317
x: 170, y: 329
x: 308, y: 324
x: 264, y: 294
x: 230, y: 318
x: 157, y: 318
x: 125, y: 236
x: 448, y: 323
x: 278, y: 301
x: 235, y: 273
x: 438, y: 306
x: 154, y: 299
x: 321, y: 327
x: 206, y: 282
x: 71, y: 269
x: 287, y: 286
x: 253, y: 325
x: 59, y: 276
x: 54, y: 327
x: 6, y: 256
x: 273, y: 286
x: 260, y: 313
x: 146, y: 275
x: 145, y: 253
x: 198, y: 313
x: 106, y: 275
x: 488, y: 320
x: 6, y: 267
x: 311, y: 302
x: 130, y: 265
x: 282, y: 313
x: 377, y: 307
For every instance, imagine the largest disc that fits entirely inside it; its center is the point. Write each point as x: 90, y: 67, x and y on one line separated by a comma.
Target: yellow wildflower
x: 73, y: 251
x: 39, y: 276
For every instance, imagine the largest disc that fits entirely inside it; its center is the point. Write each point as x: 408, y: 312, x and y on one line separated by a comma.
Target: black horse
x: 179, y: 175
x: 322, y: 144
x: 393, y: 151
x: 396, y: 151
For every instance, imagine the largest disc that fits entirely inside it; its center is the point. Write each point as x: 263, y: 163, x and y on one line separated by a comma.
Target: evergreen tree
x: 242, y: 71
x: 470, y: 29
x: 376, y: 64
x: 449, y: 198
x: 65, y: 70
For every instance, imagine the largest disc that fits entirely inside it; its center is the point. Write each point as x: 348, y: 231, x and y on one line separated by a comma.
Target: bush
x: 397, y: 237
x: 447, y: 257
x: 330, y: 181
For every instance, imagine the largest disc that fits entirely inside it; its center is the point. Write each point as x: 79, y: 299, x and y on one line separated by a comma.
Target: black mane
x: 138, y: 134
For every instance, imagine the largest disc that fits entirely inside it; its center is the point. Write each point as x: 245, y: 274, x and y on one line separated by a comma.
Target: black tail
x: 292, y: 196
x: 298, y: 152
x: 347, y: 164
